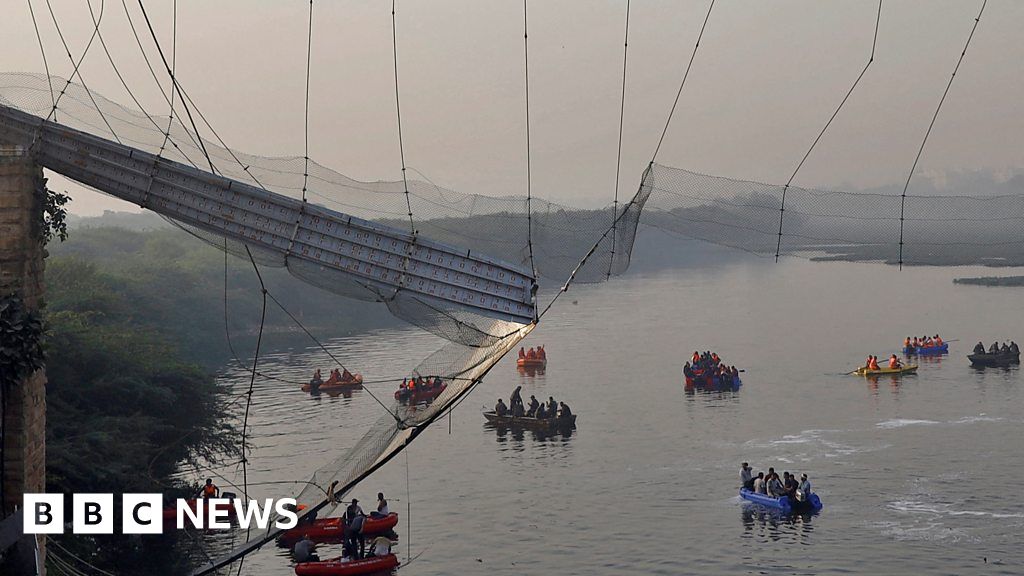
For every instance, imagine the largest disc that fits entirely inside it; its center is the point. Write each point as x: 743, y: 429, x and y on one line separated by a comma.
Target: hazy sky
x: 767, y: 77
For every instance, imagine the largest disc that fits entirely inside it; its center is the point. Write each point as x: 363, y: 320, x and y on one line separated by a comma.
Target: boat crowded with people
x: 532, y: 358
x: 537, y: 415
x: 787, y: 494
x: 419, y: 389
x: 708, y: 371
x: 924, y: 346
x: 337, y: 382
x: 996, y: 355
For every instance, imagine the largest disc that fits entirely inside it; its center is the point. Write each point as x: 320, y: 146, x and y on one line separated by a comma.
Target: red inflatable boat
x: 328, y: 529
x: 338, y: 568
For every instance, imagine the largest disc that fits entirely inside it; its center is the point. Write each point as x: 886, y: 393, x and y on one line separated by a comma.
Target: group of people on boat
x: 709, y: 364
x: 537, y: 353
x: 337, y: 377
x: 535, y: 409
x: 923, y: 342
x: 872, y: 363
x: 355, y: 544
x: 995, y: 348
x: 771, y: 485
x: 419, y: 383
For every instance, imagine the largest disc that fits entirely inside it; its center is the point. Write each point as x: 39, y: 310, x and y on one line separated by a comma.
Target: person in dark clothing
x: 500, y: 409
x: 534, y: 404
x: 979, y: 348
x: 994, y: 348
x: 305, y: 550
x: 354, y: 538
x: 564, y: 411
x: 516, y: 399
x: 552, y: 407
x: 541, y: 412
x: 1014, y: 349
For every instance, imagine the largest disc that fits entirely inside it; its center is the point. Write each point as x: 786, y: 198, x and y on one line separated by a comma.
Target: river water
x: 918, y: 475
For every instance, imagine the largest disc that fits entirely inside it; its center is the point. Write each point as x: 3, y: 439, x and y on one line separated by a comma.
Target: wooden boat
x: 885, y: 370
x: 926, y: 350
x: 544, y: 424
x: 532, y: 363
x: 999, y: 359
x: 812, y: 504
x: 338, y: 386
x: 333, y: 530
x: 336, y: 567
x: 419, y: 393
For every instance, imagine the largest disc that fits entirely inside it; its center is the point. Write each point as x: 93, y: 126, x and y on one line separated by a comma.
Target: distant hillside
x: 991, y: 281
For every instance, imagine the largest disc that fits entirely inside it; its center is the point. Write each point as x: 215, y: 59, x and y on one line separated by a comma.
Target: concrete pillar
x: 21, y: 272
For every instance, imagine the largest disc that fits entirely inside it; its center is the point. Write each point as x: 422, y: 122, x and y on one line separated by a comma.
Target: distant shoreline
x: 991, y: 281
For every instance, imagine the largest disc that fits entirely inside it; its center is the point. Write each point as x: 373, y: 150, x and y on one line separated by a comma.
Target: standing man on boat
x: 747, y: 476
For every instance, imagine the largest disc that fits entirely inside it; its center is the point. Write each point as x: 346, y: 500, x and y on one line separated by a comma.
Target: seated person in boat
x: 805, y: 486
x: 758, y: 484
x: 695, y: 358
x: 552, y: 407
x: 1004, y: 349
x: 747, y: 476
x: 873, y: 363
x: 979, y: 348
x: 907, y: 343
x: 347, y: 376
x: 534, y: 404
x: 382, y: 507
x: 775, y: 487
x: 938, y: 341
x: 894, y: 362
x: 518, y: 411
x: 381, y: 546
x: 522, y: 352
x: 305, y: 550
x: 790, y: 486
x: 500, y: 409
x: 1014, y: 349
x: 564, y: 411
x: 541, y: 354
x: 687, y: 371
x: 994, y: 348
x: 542, y: 413
x: 531, y: 354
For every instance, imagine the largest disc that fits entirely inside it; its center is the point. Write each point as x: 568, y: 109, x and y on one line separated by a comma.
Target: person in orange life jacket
x: 867, y: 363
x: 347, y: 376
x: 907, y: 343
x: 541, y: 353
x: 874, y: 363
x: 531, y: 353
x: 695, y: 359
x: 894, y: 362
x: 209, y: 490
x: 938, y: 341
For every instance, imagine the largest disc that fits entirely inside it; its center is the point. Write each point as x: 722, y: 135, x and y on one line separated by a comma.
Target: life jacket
x: 916, y: 342
x: 874, y: 364
x: 541, y: 353
x: 531, y: 353
x: 938, y: 341
x: 893, y: 362
x: 209, y: 490
x: 522, y: 353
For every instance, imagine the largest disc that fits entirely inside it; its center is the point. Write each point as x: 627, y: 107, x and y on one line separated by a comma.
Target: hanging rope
x: 174, y: 60
x: 398, y: 109
x: 871, y: 58
x: 903, y: 197
x: 529, y: 191
x: 683, y: 82
x: 618, y: 157
x: 309, y: 49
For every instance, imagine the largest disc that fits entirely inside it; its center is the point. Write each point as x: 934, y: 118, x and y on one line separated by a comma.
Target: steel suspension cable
x: 529, y: 179
x: 46, y: 65
x: 618, y: 157
x: 309, y: 49
x: 871, y: 58
x: 906, y: 185
x: 398, y: 110
x: 686, y: 74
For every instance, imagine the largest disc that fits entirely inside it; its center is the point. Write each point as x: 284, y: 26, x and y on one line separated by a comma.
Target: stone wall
x: 21, y: 272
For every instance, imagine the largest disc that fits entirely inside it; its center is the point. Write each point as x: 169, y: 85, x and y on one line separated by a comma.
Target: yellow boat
x: 908, y: 369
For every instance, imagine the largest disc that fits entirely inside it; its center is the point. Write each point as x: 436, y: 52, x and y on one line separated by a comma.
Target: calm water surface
x: 918, y: 475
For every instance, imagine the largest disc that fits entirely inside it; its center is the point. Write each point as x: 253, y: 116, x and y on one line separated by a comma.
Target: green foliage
x: 21, y: 333
x: 54, y: 215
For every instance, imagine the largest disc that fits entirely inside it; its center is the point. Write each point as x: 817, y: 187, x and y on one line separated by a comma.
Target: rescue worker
x: 894, y: 362
x: 522, y: 352
x: 874, y: 363
x: 209, y: 490
x: 979, y: 348
x: 500, y: 409
x: 534, y: 404
x: 541, y: 353
x: 747, y: 476
x: 938, y: 341
x: 305, y: 550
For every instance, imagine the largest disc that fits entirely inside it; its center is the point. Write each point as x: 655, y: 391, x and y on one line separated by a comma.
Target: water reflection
x: 517, y: 435
x: 775, y: 525
x: 530, y: 371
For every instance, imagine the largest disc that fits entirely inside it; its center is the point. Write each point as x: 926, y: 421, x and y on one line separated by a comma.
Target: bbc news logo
x: 146, y: 513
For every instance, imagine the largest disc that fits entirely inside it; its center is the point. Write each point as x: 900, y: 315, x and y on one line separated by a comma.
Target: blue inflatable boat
x: 926, y: 351
x: 813, y: 503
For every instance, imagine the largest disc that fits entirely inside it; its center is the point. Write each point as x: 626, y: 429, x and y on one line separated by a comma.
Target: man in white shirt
x: 805, y: 485
x: 759, y: 483
x: 747, y: 476
x: 381, y: 546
